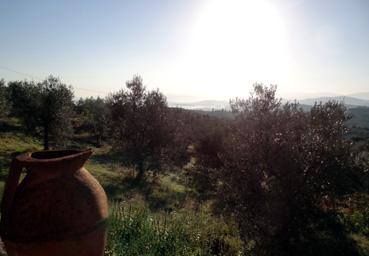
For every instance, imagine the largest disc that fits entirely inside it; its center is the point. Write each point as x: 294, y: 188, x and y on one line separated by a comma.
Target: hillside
x: 360, y: 117
x: 360, y: 95
x: 162, y: 203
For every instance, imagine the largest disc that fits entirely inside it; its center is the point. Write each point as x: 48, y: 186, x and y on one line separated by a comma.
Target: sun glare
x: 237, y: 42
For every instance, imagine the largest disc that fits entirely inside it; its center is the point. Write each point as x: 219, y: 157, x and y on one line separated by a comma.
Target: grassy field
x: 13, y: 140
x: 155, y: 217
x: 160, y: 216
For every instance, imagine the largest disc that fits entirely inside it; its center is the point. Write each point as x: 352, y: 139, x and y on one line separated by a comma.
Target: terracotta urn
x: 58, y: 209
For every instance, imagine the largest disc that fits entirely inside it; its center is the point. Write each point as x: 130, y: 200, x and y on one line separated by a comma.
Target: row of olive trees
x: 134, y: 120
x: 47, y: 110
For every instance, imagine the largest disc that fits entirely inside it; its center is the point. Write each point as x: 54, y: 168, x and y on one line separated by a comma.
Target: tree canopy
x: 4, y: 105
x: 275, y: 166
x: 44, y: 108
x: 95, y: 116
x: 139, y: 125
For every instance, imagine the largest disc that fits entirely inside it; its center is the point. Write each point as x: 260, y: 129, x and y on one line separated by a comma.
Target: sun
x: 234, y: 43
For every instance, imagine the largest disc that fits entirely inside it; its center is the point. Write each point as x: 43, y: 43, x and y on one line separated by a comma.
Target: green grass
x: 356, y: 220
x: 137, y: 231
x: 13, y: 141
x: 362, y: 243
x: 104, y: 167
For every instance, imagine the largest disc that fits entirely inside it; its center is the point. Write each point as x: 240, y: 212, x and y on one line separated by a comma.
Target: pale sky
x: 189, y: 49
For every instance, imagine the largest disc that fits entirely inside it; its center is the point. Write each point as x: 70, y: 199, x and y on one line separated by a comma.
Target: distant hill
x: 205, y: 105
x: 348, y: 101
x: 360, y: 95
x: 208, y: 105
x: 359, y: 116
x: 213, y: 105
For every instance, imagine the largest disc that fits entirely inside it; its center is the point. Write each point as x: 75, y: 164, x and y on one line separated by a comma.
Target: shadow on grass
x: 82, y: 141
x: 110, y: 157
x: 6, y: 126
x: 327, y: 236
x: 155, y: 196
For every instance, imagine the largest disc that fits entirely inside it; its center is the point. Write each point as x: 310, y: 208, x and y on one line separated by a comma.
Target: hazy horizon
x: 190, y: 50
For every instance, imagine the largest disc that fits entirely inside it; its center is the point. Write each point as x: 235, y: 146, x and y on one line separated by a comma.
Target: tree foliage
x: 44, y: 108
x: 139, y: 125
x: 4, y: 105
x: 95, y: 116
x: 276, y: 167
x: 186, y: 127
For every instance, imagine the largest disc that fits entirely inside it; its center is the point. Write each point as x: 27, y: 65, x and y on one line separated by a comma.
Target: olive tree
x: 275, y: 166
x: 95, y: 116
x: 44, y: 108
x: 139, y: 125
x: 4, y: 105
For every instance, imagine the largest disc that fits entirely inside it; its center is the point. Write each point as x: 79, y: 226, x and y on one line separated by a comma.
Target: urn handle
x: 11, y: 186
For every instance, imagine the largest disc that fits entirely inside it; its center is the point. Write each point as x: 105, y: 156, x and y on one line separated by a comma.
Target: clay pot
x: 58, y: 209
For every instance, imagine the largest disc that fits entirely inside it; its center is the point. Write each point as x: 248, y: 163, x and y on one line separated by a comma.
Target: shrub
x: 357, y: 219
